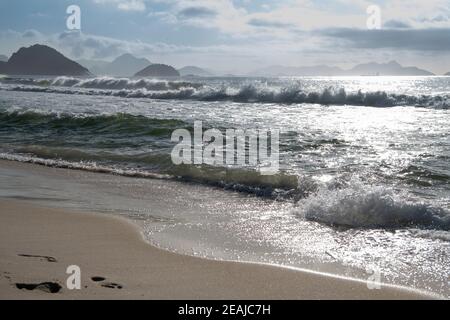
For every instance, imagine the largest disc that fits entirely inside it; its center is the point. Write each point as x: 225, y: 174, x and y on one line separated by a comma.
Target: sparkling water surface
x: 364, y: 166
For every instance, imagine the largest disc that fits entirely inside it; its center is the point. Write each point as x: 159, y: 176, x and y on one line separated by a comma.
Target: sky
x: 237, y: 36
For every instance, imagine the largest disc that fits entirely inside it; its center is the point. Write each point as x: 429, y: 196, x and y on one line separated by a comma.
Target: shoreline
x: 113, y: 248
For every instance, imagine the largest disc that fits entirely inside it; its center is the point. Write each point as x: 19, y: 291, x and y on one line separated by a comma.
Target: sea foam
x: 244, y: 93
x: 365, y: 206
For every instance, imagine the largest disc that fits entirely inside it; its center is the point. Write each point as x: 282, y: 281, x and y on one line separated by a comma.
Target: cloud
x: 80, y: 45
x: 222, y: 15
x: 418, y: 14
x: 125, y: 5
x: 236, y: 18
x: 196, y: 12
x: 396, y: 24
x: 31, y: 34
x: 409, y: 39
x: 268, y: 24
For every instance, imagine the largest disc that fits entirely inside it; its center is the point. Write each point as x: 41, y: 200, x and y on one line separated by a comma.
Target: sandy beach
x: 37, y: 244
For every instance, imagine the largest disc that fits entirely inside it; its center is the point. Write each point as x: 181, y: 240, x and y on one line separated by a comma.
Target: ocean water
x: 364, y: 179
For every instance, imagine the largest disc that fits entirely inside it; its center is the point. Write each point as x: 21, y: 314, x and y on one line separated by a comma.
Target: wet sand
x: 37, y: 244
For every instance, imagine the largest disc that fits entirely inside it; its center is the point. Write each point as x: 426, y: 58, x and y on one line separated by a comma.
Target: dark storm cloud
x: 267, y: 24
x: 396, y: 24
x: 410, y: 39
x: 196, y: 12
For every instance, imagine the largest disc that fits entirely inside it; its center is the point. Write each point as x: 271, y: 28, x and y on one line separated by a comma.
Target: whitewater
x: 364, y: 177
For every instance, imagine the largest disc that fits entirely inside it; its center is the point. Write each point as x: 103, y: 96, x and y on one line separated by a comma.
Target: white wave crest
x: 122, y: 83
x: 156, y: 89
x: 365, y: 206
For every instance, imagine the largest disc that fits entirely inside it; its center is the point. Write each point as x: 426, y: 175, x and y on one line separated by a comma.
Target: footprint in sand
x: 98, y: 279
x: 49, y: 287
x: 110, y: 285
x: 46, y: 258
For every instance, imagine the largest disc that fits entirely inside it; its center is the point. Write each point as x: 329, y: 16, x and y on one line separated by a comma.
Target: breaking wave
x: 123, y: 83
x: 355, y: 206
x: 181, y: 90
x: 119, y: 123
x: 365, y: 206
x: 105, y: 83
x: 279, y: 186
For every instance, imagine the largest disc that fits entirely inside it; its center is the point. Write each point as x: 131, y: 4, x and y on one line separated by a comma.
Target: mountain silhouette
x: 93, y: 64
x: 392, y: 68
x: 41, y: 60
x: 125, y: 65
x: 194, y: 71
x: 158, y: 70
x: 280, y: 71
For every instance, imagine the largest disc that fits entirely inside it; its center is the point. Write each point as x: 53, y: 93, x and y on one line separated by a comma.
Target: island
x: 41, y: 60
x: 158, y: 70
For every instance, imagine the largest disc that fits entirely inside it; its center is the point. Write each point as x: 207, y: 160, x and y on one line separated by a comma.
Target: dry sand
x: 37, y: 245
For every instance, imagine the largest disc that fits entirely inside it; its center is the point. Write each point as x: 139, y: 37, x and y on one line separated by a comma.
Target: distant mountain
x: 447, y: 74
x: 194, y: 71
x: 158, y: 70
x: 125, y: 65
x: 3, y: 67
x: 93, y: 64
x: 3, y: 58
x: 392, y: 68
x: 41, y: 60
x: 280, y: 71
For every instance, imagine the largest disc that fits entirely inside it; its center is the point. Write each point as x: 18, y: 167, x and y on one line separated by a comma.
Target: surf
x: 243, y: 92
